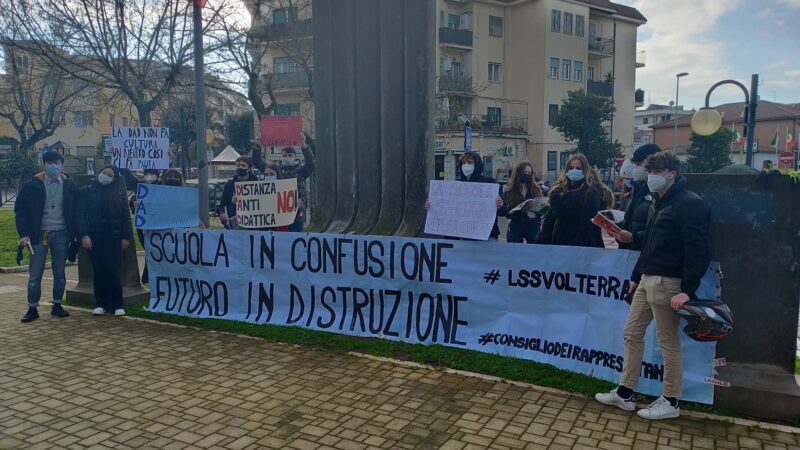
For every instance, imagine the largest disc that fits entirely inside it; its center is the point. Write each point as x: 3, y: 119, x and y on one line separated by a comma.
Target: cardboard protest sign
x: 266, y: 204
x: 461, y: 209
x: 281, y: 131
x: 164, y: 207
x: 140, y: 148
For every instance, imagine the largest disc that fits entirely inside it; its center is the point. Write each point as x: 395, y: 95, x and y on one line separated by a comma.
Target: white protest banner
x: 161, y: 207
x: 557, y: 305
x: 266, y: 204
x: 140, y: 148
x: 461, y: 209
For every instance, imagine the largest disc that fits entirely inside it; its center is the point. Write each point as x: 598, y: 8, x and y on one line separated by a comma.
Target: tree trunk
x: 144, y: 115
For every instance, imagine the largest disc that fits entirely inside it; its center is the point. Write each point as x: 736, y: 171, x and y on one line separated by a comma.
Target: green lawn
x: 9, y: 240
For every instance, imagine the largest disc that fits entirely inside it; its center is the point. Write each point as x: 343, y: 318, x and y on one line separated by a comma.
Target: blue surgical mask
x: 629, y: 183
x: 575, y: 174
x: 270, y: 178
x: 53, y: 169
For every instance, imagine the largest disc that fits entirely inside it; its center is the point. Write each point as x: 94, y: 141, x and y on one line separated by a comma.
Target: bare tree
x: 142, y: 48
x: 35, y: 95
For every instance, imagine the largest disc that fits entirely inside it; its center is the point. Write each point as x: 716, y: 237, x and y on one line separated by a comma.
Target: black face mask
x: 172, y: 182
x: 525, y: 178
x: 242, y: 172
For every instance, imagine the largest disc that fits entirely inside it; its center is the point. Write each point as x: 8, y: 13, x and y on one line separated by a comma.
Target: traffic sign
x: 786, y: 159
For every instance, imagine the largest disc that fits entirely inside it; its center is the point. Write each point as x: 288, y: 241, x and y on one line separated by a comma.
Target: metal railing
x: 601, y: 88
x: 284, y: 31
x: 290, y: 80
x: 455, y: 82
x: 601, y: 45
x: 454, y: 36
x: 485, y: 124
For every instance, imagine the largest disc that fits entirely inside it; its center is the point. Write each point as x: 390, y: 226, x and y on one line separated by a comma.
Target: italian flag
x: 790, y: 142
x: 774, y: 142
x: 738, y: 138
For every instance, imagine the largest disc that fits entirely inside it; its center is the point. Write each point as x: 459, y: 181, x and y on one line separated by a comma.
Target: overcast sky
x: 715, y: 40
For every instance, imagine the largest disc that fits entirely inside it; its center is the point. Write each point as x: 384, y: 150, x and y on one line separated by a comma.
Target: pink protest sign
x: 281, y: 131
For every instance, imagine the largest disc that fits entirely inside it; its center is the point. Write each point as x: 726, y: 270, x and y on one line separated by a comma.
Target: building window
x: 125, y: 122
x: 590, y: 73
x: 646, y: 120
x: 284, y: 15
x: 284, y: 64
x: 288, y: 109
x: 578, y: 25
x: 494, y: 117
x: 494, y: 72
x: 487, y: 166
x: 567, y: 23
x: 495, y: 26
x: 554, y: 68
x: 567, y: 66
x: 552, y: 158
x: 441, y: 18
x: 551, y: 115
x: 112, y: 120
x: 453, y: 21
x: 578, y: 71
x: 564, y: 156
x: 84, y: 119
x: 23, y: 61
x: 555, y: 21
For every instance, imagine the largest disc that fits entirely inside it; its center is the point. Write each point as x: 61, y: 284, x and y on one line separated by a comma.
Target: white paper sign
x: 140, y: 148
x: 462, y: 209
x: 266, y: 204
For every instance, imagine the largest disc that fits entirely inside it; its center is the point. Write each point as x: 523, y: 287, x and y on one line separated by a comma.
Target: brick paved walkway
x: 108, y: 382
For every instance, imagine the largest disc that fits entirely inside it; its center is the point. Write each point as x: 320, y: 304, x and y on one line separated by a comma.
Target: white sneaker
x: 660, y: 409
x: 99, y: 311
x: 119, y: 312
x: 613, y: 399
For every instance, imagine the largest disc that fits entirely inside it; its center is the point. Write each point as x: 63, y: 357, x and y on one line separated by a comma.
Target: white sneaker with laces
x: 119, y: 312
x: 613, y: 399
x: 99, y: 311
x: 659, y: 409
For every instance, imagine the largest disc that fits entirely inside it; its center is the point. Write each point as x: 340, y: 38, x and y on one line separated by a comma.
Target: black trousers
x: 145, y: 274
x: 106, y: 258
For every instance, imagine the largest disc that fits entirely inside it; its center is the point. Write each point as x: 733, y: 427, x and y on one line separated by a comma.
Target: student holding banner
x: 675, y: 256
x: 227, y: 205
x: 150, y: 177
x: 521, y: 187
x: 576, y: 198
x: 640, y: 198
x: 104, y: 225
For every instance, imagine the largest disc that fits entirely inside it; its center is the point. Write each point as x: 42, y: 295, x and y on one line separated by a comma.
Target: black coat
x: 676, y: 239
x: 29, y: 207
x: 636, y: 214
x: 226, y: 204
x: 103, y: 212
x: 568, y: 222
x: 478, y: 177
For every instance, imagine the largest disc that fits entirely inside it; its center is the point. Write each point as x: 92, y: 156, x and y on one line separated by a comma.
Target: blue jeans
x: 58, y: 244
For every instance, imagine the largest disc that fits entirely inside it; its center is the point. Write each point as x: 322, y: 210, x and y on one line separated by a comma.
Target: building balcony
x: 601, y: 47
x: 638, y: 98
x: 485, y: 124
x: 300, y: 29
x: 289, y: 81
x: 601, y: 88
x: 455, y: 82
x: 454, y: 37
x: 641, y: 59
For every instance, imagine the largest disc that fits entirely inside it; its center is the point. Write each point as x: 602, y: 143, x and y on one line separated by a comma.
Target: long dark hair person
x: 112, y: 194
x: 591, y: 180
x: 514, y: 194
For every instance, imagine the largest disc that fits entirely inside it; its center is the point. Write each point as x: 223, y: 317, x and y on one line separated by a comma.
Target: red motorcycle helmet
x: 707, y: 320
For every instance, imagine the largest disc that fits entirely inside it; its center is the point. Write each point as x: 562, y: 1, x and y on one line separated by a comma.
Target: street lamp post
x: 675, y: 119
x: 707, y: 121
x: 200, y: 104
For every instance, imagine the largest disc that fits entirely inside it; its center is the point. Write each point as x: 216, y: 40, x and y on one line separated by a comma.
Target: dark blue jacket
x: 29, y: 207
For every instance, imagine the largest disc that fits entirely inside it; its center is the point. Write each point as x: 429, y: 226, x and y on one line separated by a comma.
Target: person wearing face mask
x: 674, y: 257
x: 521, y: 187
x: 227, y: 205
x: 471, y: 170
x: 575, y: 198
x: 44, y: 214
x: 639, y: 197
x: 104, y: 224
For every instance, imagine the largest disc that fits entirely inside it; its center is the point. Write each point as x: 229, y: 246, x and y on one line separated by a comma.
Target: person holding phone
x: 521, y: 187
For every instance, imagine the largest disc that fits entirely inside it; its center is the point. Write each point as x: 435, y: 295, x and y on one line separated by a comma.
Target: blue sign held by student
x: 163, y: 207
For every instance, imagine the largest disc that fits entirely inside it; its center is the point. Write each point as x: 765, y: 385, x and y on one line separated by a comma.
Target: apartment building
x: 652, y: 115
x: 505, y: 66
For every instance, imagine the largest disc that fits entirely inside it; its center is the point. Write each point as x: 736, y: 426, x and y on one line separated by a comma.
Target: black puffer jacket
x: 569, y: 220
x: 103, y: 211
x: 675, y: 243
x: 478, y: 177
x: 226, y: 204
x: 636, y: 214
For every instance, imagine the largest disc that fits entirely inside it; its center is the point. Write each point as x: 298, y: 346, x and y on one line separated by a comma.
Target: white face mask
x: 468, y: 169
x: 639, y: 173
x: 104, y: 179
x: 150, y: 179
x: 657, y: 182
x: 626, y: 171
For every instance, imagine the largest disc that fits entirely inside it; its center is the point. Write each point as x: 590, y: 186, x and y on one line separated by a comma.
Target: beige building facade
x: 503, y: 65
